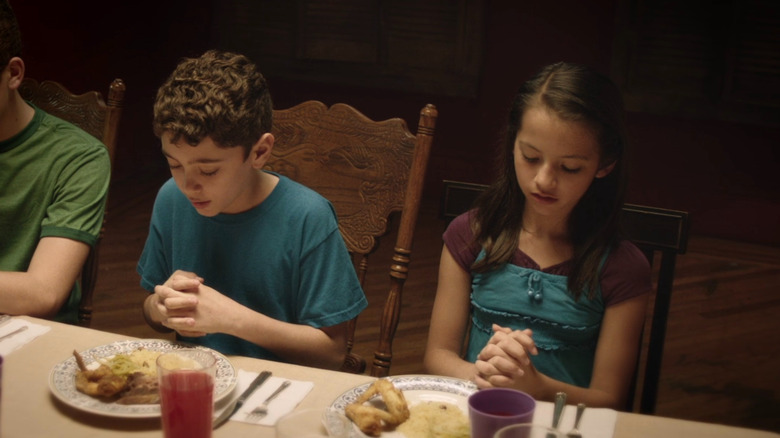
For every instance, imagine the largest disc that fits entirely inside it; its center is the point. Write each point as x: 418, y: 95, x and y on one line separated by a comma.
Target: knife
x: 19, y: 330
x: 227, y: 413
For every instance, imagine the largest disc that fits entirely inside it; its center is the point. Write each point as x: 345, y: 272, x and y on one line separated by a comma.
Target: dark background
x: 720, y: 356
x: 723, y: 172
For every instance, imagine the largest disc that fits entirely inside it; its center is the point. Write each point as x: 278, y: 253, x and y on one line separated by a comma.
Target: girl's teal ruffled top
x: 565, y: 331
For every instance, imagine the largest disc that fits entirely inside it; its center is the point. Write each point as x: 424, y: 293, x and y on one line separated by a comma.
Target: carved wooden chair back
x: 661, y: 234
x: 368, y: 170
x: 91, y: 113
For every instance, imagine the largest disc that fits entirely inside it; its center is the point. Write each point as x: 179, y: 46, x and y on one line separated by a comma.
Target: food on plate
x: 141, y: 389
x: 178, y: 361
x: 371, y: 419
x: 436, y: 419
x: 138, y: 361
x: 100, y: 382
x: 125, y: 378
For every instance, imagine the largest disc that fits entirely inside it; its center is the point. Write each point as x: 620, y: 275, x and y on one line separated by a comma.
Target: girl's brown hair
x: 574, y: 93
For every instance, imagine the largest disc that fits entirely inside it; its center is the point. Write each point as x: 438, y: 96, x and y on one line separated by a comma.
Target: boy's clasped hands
x: 190, y: 307
x: 505, y: 360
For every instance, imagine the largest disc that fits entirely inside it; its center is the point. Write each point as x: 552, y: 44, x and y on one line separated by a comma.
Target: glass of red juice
x: 186, y: 378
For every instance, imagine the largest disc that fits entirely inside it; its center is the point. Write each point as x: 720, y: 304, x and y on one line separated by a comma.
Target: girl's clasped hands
x: 505, y: 360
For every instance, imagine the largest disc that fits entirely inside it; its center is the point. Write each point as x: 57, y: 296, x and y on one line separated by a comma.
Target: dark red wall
x: 723, y: 173
x: 86, y: 44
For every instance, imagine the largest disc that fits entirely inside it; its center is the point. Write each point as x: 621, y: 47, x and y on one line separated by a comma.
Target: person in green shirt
x: 53, y: 184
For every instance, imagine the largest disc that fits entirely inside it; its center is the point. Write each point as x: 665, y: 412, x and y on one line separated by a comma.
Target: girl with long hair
x: 537, y: 290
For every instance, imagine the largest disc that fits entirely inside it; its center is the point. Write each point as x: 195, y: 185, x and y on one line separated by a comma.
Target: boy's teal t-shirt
x: 284, y: 258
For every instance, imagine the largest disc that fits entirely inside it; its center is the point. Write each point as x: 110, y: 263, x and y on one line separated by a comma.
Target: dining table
x: 29, y: 409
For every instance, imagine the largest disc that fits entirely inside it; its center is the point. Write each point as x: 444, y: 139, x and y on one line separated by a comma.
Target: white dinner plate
x: 416, y: 389
x: 63, y: 375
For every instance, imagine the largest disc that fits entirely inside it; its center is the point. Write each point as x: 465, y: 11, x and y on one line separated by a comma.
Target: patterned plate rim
x: 61, y: 378
x: 411, y: 382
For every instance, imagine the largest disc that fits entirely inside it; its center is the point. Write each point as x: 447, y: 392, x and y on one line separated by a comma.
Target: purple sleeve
x: 459, y: 240
x: 626, y: 274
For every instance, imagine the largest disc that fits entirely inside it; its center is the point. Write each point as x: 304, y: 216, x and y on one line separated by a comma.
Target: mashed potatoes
x: 435, y: 420
x: 173, y: 361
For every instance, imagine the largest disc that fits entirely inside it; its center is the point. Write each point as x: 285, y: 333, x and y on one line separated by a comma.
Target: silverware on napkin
x: 560, y: 403
x: 261, y: 411
x: 575, y: 432
x: 19, y: 330
x: 227, y: 413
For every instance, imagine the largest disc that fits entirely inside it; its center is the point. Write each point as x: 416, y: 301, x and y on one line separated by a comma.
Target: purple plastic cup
x: 491, y: 409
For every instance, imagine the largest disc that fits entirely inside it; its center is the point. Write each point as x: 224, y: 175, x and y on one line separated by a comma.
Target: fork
x: 575, y: 433
x: 261, y: 411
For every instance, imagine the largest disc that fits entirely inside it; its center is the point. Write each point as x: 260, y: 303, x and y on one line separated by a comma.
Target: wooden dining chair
x: 369, y: 170
x: 97, y: 117
x: 661, y: 234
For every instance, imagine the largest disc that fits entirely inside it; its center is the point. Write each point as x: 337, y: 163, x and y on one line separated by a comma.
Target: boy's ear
x: 604, y: 171
x: 16, y: 68
x: 261, y: 151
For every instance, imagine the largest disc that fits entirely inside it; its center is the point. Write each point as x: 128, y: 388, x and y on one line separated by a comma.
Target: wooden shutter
x: 433, y: 46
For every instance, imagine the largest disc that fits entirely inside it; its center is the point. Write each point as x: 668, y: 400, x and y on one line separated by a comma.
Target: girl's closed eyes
x: 565, y: 168
x: 530, y: 159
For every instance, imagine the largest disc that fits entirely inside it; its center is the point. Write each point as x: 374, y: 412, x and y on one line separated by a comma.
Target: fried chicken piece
x: 372, y: 420
x: 367, y: 418
x: 397, y: 408
x: 100, y: 382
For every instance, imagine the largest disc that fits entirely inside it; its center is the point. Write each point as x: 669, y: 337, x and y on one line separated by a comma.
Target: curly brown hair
x: 10, y: 37
x: 220, y: 95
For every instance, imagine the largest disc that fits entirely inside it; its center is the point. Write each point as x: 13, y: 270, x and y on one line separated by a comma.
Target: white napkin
x: 17, y: 340
x: 595, y: 422
x: 285, y: 402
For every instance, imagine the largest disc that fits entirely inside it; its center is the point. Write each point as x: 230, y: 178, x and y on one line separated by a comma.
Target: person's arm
x: 616, y: 354
x: 449, y: 322
x: 613, y: 367
x: 323, y: 347
x: 43, y: 289
x: 192, y: 308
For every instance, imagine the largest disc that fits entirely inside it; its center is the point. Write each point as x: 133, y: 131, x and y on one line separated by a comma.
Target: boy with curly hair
x: 239, y: 259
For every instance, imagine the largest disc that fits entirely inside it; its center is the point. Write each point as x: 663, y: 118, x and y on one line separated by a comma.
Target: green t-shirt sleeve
x: 78, y: 203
